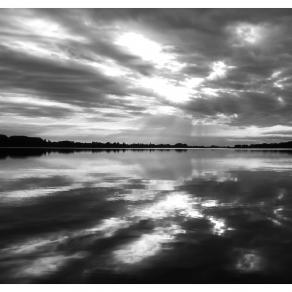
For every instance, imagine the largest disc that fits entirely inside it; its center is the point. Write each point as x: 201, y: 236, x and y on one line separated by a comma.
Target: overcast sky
x: 198, y: 76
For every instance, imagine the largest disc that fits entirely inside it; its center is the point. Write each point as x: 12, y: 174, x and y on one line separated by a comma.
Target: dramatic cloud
x: 201, y: 76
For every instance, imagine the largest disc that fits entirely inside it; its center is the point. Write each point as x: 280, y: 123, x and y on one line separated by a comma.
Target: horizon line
x: 21, y: 141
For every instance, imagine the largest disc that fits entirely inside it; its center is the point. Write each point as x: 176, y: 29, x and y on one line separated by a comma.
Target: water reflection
x: 249, y: 261
x: 43, y: 266
x: 147, y: 245
x: 90, y: 217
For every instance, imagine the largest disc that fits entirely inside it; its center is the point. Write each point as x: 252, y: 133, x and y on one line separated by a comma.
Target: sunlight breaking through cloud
x: 149, y: 50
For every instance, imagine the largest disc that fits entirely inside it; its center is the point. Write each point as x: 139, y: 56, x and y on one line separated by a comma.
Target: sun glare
x: 139, y: 45
x: 148, y: 50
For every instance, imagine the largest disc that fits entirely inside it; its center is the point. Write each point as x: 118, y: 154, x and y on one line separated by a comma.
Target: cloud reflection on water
x: 249, y: 261
x: 147, y: 245
x: 139, y: 214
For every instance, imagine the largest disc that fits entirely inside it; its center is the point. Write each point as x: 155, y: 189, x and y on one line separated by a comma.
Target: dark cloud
x: 66, y: 82
x: 36, y: 111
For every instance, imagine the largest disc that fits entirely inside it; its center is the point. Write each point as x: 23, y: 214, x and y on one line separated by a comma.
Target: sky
x: 198, y: 76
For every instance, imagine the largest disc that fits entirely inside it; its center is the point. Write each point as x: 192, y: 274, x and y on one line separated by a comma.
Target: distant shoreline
x: 25, y: 142
x: 145, y: 148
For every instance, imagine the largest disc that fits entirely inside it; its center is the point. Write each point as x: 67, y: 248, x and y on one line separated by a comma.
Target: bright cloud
x: 219, y: 70
x: 149, y: 50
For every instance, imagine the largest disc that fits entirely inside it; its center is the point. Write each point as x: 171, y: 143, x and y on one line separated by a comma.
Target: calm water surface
x: 196, y: 216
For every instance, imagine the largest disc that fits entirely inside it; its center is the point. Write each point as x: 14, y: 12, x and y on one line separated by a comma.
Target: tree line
x: 26, y: 142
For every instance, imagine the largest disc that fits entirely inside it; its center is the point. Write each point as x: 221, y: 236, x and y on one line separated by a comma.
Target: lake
x: 172, y: 216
